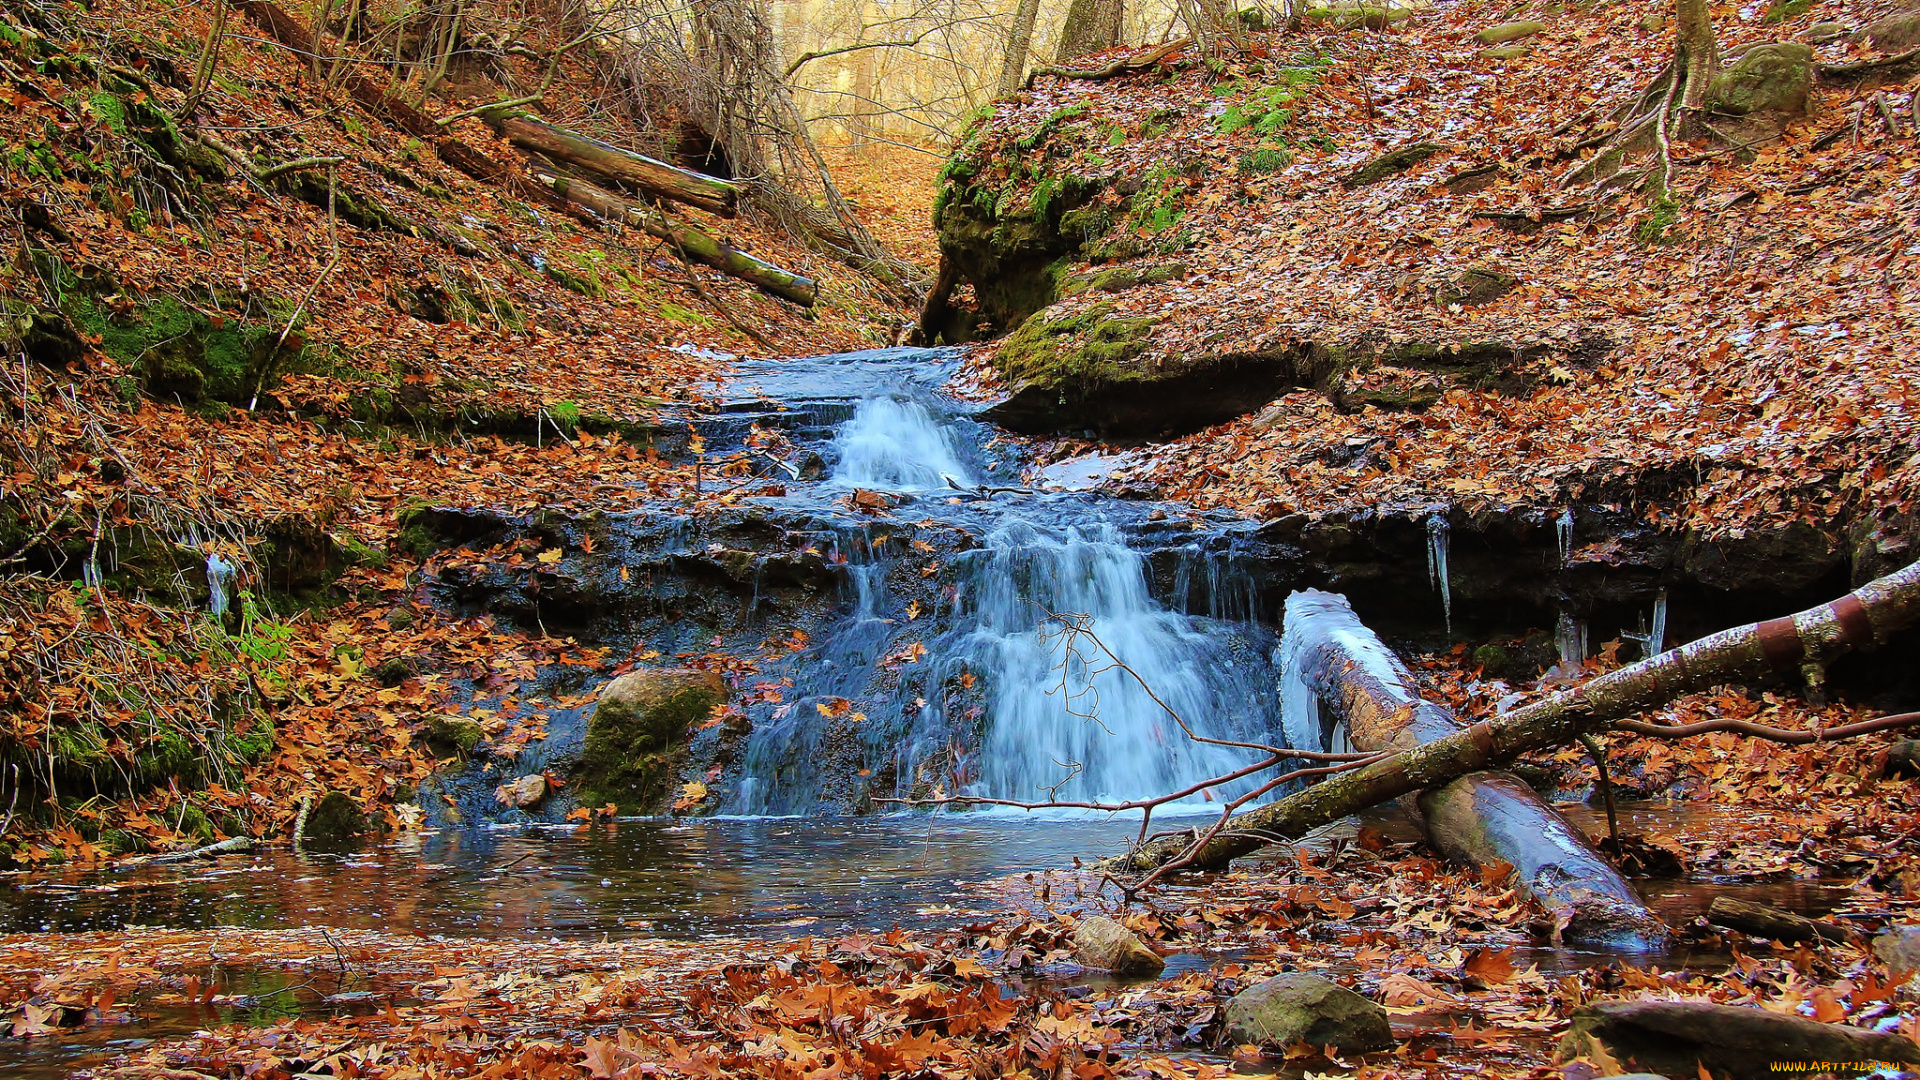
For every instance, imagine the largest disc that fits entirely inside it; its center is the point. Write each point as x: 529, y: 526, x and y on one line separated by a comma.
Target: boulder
x: 452, y: 734
x: 1895, y: 33
x: 1773, y: 79
x: 1302, y: 1008
x: 1505, y: 32
x: 523, y: 794
x: 1899, y: 948
x: 630, y: 754
x: 1506, y: 52
x: 1103, y: 943
x: 1695, y: 1038
x: 334, y: 819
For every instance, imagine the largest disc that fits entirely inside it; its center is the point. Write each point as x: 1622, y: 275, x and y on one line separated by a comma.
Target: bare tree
x: 1013, y: 66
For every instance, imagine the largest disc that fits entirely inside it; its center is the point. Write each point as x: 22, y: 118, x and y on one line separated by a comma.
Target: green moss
x: 1121, y: 278
x: 335, y: 818
x: 1787, y: 10
x: 1657, y: 226
x: 1074, y: 350
x: 455, y: 733
x: 194, y: 823
x: 1264, y: 159
x: 637, y: 737
x: 675, y: 313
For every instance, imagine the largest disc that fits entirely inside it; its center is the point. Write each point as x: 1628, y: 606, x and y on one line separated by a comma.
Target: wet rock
x: 1103, y: 943
x: 1895, y: 33
x: 1688, y: 1038
x: 1899, y: 947
x: 1298, y: 1007
x: 336, y: 818
x: 454, y: 734
x: 1772, y: 79
x: 1505, y: 32
x: 523, y: 794
x: 638, y: 735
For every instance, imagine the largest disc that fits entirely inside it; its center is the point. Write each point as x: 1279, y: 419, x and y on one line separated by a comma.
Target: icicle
x: 1657, y: 637
x: 1570, y: 636
x: 219, y: 572
x: 1437, y: 531
x: 1563, y: 528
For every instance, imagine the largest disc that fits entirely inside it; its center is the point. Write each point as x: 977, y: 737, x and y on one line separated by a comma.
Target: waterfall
x: 894, y: 444
x: 1437, y: 533
x: 1563, y: 531
x: 1049, y: 709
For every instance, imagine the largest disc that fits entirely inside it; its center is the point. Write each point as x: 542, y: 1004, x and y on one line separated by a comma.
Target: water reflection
x: 759, y: 877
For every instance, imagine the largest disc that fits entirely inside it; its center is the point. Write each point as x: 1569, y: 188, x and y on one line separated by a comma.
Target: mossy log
x: 604, y: 159
x: 696, y: 245
x: 1867, y: 616
x: 1486, y: 818
x: 1770, y: 922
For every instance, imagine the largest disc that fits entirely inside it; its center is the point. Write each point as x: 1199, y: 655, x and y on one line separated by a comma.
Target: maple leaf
x: 549, y: 556
x: 691, y: 794
x: 36, y: 1020
x: 832, y: 707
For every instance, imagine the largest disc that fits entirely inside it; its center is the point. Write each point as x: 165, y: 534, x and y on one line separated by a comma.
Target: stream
x: 924, y: 670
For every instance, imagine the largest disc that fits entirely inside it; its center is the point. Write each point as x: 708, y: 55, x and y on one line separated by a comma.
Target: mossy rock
x: 1358, y: 16
x: 1074, y: 351
x: 1505, y: 32
x: 1768, y: 79
x: 334, y: 819
x: 1786, y: 10
x: 1121, y: 278
x: 1506, y: 52
x: 1895, y: 33
x: 638, y: 735
x: 453, y: 734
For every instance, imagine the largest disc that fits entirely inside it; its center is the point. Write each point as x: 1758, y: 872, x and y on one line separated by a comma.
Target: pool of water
x: 767, y: 877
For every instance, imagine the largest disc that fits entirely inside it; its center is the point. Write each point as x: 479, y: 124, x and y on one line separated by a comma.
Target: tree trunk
x: 933, y: 313
x: 1697, y: 55
x: 654, y: 177
x: 1866, y: 616
x: 1485, y: 818
x: 1091, y: 25
x: 1013, y: 66
x: 694, y: 244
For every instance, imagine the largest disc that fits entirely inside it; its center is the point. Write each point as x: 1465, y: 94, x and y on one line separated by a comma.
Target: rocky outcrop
x: 638, y: 735
x: 1101, y: 942
x: 1694, y: 1038
x: 1010, y: 227
x: 1301, y: 1008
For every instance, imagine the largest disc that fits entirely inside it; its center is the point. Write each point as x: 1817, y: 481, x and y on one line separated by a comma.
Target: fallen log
x: 604, y: 159
x: 691, y: 242
x: 1866, y: 616
x: 933, y: 312
x: 1760, y: 920
x: 1137, y: 61
x: 1696, y: 1038
x: 1484, y: 818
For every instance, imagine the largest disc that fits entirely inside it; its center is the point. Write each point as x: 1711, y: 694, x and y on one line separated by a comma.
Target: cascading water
x: 1563, y: 532
x: 1046, y: 718
x: 893, y: 444
x: 1570, y: 637
x: 994, y: 701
